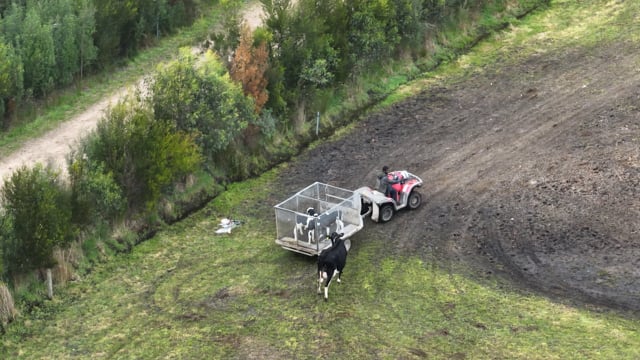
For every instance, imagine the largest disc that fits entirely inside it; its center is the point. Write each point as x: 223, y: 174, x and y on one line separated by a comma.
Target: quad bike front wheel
x: 386, y: 212
x: 414, y: 201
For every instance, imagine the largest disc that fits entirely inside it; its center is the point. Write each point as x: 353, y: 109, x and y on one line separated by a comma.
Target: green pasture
x: 191, y: 293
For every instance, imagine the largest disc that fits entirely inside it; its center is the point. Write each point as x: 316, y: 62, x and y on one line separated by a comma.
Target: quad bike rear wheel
x: 414, y: 200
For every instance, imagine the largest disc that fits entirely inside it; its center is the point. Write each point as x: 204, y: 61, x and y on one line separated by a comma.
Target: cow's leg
x: 296, y: 229
x: 329, y: 275
x: 310, y: 227
x: 320, y: 278
x: 337, y: 274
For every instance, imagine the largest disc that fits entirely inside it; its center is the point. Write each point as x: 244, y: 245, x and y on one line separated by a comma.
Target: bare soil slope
x: 531, y: 171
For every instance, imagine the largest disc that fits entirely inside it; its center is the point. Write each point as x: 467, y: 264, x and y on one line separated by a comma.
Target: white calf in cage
x: 306, y: 223
x: 326, y: 220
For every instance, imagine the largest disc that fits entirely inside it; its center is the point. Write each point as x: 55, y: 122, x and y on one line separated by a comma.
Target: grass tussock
x: 67, y: 260
x: 7, y: 306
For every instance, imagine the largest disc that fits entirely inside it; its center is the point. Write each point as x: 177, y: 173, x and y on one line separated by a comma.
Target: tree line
x: 47, y: 44
x: 317, y: 45
x: 226, y: 115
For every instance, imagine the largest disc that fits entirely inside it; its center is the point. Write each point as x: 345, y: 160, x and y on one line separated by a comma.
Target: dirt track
x: 531, y: 172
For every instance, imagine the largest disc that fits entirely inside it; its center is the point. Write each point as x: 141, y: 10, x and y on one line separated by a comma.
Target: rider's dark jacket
x: 385, y: 182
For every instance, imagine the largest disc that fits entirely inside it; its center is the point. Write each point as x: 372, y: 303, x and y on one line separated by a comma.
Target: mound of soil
x: 531, y: 171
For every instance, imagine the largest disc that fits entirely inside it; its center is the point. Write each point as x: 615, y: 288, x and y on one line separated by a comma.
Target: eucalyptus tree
x: 62, y: 16
x: 11, y: 72
x: 87, y: 51
x: 12, y: 23
x: 38, y: 53
x: 116, y: 22
x: 277, y: 19
x: 372, y: 32
x: 303, y: 53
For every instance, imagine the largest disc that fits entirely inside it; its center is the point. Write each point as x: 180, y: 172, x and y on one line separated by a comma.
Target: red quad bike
x: 381, y: 207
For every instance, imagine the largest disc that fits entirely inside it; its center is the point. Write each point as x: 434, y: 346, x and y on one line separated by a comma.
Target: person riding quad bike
x: 387, y: 182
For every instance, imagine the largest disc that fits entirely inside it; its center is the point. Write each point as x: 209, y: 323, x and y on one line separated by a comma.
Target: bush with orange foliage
x: 248, y: 67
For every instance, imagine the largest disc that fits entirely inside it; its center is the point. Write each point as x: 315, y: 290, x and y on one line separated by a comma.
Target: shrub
x: 145, y: 156
x: 37, y: 219
x: 202, y: 100
x: 95, y: 195
x: 248, y: 67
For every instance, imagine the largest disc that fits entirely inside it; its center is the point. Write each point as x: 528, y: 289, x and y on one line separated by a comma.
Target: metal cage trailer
x: 305, y: 220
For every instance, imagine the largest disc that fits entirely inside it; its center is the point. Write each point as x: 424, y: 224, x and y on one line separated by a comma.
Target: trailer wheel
x: 386, y: 212
x: 415, y: 199
x: 365, y: 209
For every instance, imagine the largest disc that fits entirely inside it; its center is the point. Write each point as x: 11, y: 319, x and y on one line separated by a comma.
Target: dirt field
x: 531, y: 172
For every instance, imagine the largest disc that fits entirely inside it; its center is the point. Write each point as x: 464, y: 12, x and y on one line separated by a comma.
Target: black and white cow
x: 331, y: 262
x: 306, y: 223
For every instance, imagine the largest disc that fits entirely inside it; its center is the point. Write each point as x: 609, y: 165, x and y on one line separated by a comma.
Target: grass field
x: 191, y: 293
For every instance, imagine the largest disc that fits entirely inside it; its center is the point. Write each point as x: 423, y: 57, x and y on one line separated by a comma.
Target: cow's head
x: 335, y: 236
x: 311, y: 212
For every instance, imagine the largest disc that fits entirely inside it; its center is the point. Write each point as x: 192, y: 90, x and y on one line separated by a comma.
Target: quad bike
x: 382, y: 207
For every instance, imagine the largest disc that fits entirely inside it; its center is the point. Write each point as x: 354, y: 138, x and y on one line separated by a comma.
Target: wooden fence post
x: 49, y: 284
